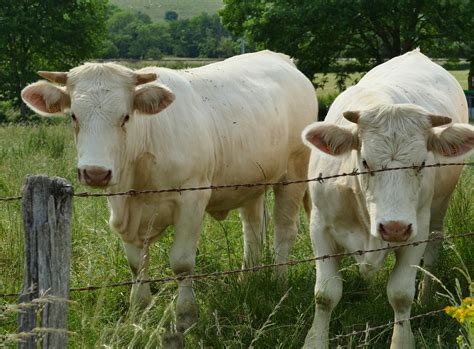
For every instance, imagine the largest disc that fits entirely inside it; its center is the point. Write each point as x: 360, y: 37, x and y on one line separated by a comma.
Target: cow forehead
x: 100, y: 75
x: 394, y: 132
x: 402, y: 148
x: 404, y: 118
x: 104, y: 101
x: 104, y: 89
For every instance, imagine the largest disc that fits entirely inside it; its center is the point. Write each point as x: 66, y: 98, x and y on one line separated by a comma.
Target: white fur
x: 394, y: 101
x: 237, y: 121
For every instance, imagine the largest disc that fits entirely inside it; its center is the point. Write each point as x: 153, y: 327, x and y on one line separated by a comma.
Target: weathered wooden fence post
x: 47, y: 211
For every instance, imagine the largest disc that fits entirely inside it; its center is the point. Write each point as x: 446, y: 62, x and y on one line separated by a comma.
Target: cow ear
x: 152, y: 98
x: 455, y: 140
x: 329, y: 138
x: 45, y: 98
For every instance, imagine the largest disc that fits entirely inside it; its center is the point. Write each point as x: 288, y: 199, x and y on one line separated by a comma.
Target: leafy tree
x: 151, y: 41
x: 455, y: 20
x: 45, y: 35
x: 135, y: 36
x: 319, y: 32
x: 200, y: 36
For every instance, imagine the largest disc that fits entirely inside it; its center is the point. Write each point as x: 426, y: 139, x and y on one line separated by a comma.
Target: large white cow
x: 237, y: 121
x: 390, y: 118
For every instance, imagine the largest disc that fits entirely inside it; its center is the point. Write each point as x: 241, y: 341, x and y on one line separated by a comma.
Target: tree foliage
x: 171, y: 15
x: 320, y: 32
x: 133, y: 35
x: 45, y: 34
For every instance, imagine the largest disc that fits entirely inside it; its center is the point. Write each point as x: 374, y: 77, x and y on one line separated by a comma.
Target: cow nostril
x: 408, y: 230
x: 95, y: 175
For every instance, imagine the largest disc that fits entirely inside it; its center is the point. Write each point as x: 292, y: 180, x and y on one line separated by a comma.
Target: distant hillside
x: 156, y: 9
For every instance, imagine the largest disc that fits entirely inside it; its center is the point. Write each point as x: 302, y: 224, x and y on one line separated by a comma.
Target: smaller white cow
x: 390, y: 118
x: 237, y: 121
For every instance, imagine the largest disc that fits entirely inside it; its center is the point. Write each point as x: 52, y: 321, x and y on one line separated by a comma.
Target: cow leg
x: 328, y: 288
x: 183, y: 254
x: 427, y: 286
x: 138, y: 260
x: 286, y: 214
x: 401, y: 291
x: 252, y: 215
x: 430, y: 257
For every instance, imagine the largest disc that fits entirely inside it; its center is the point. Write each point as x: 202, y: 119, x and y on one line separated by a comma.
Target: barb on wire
x: 320, y: 179
x: 218, y: 274
x: 380, y: 327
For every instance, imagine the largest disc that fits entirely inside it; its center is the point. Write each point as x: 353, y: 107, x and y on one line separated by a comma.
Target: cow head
x: 393, y: 136
x: 103, y: 100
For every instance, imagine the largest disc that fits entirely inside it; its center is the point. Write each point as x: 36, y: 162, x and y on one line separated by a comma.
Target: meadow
x: 156, y: 9
x: 234, y: 313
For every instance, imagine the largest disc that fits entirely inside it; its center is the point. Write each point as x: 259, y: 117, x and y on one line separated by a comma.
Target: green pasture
x: 156, y: 9
x: 234, y: 313
x: 330, y: 86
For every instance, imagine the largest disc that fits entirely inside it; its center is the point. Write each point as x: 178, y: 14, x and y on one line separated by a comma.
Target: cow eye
x: 364, y: 163
x: 423, y: 164
x: 73, y: 117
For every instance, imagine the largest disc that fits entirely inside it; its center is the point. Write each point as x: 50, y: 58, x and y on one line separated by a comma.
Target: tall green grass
x: 233, y: 313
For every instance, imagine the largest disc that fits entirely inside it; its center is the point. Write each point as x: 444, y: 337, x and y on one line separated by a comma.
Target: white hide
x: 236, y: 121
x: 393, y: 129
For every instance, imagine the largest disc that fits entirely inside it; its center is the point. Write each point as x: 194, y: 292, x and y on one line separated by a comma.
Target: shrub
x: 324, y: 102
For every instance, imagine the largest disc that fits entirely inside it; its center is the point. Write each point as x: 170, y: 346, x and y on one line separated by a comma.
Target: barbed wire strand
x: 10, y: 198
x: 219, y: 274
x: 380, y: 327
x: 319, y: 179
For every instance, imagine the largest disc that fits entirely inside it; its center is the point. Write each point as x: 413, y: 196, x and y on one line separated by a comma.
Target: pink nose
x: 94, y: 176
x: 395, y: 231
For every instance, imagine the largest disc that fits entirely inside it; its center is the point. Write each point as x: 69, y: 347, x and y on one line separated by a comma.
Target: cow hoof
x: 172, y: 341
x: 186, y: 316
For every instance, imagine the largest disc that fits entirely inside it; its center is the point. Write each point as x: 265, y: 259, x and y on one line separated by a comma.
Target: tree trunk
x: 470, y: 77
x: 23, y: 111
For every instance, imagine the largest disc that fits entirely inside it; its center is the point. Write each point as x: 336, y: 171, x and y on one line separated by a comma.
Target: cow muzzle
x: 395, y: 231
x: 94, y: 176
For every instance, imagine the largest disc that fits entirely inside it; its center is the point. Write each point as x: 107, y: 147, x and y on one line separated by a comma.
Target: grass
x: 156, y: 9
x: 330, y: 87
x: 233, y: 314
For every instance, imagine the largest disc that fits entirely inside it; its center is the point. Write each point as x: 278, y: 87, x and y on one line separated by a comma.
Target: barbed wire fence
x: 30, y: 291
x: 320, y: 179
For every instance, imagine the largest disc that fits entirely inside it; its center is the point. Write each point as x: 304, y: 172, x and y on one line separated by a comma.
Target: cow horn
x: 437, y: 120
x: 54, y: 76
x: 143, y: 78
x: 352, y: 116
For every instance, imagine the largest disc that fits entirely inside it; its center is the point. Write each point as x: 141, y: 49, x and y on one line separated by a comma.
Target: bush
x: 153, y: 53
x: 171, y: 15
x: 324, y: 102
x: 8, y: 113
